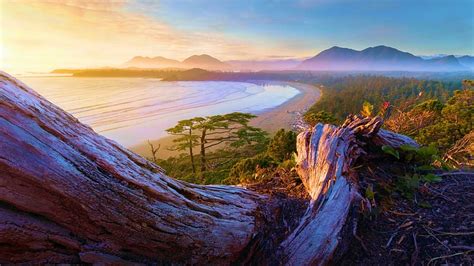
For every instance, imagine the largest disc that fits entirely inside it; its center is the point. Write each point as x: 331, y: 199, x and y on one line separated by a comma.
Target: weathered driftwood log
x: 68, y: 194
x: 325, y: 156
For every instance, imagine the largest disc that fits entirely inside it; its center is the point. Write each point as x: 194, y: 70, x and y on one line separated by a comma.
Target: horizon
x: 47, y: 35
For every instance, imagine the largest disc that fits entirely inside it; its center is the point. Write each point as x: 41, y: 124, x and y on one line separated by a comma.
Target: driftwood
x: 69, y: 195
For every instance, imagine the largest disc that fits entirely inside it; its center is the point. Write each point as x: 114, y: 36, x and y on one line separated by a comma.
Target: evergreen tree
x: 282, y: 145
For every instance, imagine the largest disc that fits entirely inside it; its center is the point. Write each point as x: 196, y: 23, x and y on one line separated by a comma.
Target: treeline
x: 434, y: 113
x: 346, y: 95
x: 196, y: 74
x: 113, y: 72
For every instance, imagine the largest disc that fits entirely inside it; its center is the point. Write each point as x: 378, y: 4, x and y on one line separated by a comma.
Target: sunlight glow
x: 43, y: 35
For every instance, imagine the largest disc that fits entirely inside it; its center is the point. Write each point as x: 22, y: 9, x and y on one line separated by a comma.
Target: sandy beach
x: 270, y: 120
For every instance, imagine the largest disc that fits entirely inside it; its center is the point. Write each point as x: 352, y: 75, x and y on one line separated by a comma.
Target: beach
x: 134, y: 111
x: 286, y: 114
x: 271, y: 119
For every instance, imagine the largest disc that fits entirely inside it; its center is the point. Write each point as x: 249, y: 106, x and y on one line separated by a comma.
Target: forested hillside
x: 347, y: 94
x: 435, y: 113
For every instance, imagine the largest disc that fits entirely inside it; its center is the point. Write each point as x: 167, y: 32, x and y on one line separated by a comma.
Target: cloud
x: 64, y: 33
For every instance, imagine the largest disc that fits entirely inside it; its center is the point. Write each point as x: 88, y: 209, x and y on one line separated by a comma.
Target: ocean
x: 133, y: 110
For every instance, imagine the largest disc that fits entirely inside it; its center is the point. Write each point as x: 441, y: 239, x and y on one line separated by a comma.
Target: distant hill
x: 208, y: 62
x: 467, y: 61
x: 205, y: 61
x: 446, y: 63
x: 152, y: 62
x: 378, y: 58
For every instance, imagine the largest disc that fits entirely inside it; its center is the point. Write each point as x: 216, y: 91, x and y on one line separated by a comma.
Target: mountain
x: 467, y: 61
x: 152, y: 62
x: 205, y: 61
x: 378, y: 58
x: 446, y: 63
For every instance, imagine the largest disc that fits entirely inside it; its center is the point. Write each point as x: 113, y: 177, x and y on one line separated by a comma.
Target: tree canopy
x: 211, y: 131
x: 347, y: 95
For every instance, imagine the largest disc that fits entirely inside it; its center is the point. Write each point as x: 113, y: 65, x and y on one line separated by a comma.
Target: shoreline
x: 270, y: 120
x: 286, y: 114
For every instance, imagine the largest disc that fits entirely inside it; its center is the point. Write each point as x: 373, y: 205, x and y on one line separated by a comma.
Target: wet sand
x: 282, y: 116
x: 285, y: 115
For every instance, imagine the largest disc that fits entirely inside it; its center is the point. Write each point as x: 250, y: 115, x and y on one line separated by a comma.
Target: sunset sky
x: 46, y: 34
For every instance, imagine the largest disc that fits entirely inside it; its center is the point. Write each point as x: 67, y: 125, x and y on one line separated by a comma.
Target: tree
x: 412, y: 121
x: 230, y: 129
x: 187, y: 140
x: 211, y: 131
x: 468, y: 84
x: 324, y: 117
x: 282, y: 145
x: 453, y: 123
x: 154, y: 150
x: 244, y: 171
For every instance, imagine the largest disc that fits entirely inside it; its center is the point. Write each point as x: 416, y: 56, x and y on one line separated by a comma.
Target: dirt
x: 435, y: 228
x: 286, y: 203
x: 284, y: 182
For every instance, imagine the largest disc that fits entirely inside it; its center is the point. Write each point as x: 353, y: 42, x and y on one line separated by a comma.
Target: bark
x: 326, y: 155
x: 203, y: 153
x: 191, y: 154
x: 68, y: 194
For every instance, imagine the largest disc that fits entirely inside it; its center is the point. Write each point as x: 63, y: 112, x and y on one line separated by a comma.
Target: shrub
x: 288, y: 164
x: 313, y: 117
x: 282, y: 145
x: 244, y: 170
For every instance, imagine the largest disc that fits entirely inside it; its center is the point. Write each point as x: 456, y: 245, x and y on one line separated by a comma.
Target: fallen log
x: 69, y: 195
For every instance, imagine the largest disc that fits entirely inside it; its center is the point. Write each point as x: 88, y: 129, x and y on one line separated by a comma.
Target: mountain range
x: 378, y: 58
x: 203, y: 61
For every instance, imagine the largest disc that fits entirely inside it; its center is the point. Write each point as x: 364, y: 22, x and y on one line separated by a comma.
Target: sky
x: 41, y: 35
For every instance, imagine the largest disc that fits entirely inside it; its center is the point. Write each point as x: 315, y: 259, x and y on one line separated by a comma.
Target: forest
x: 347, y: 95
x: 434, y: 113
x: 437, y: 114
